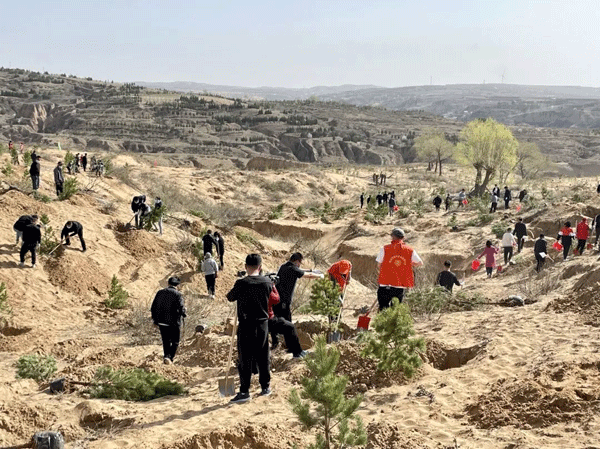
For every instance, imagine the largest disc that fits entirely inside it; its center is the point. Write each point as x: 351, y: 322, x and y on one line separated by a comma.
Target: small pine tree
x: 322, y: 404
x: 117, y: 296
x: 5, y: 309
x: 152, y: 219
x: 14, y: 155
x: 38, y: 367
x: 69, y: 157
x: 27, y: 157
x: 49, y: 240
x: 392, y: 342
x: 70, y: 188
x: 325, y: 299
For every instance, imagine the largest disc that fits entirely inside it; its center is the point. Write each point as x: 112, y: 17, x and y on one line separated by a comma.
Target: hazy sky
x: 306, y: 43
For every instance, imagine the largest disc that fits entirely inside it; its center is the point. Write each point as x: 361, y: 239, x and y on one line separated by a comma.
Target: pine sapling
x: 5, y: 309
x: 325, y: 299
x: 392, y: 342
x: 117, y: 295
x: 321, y: 403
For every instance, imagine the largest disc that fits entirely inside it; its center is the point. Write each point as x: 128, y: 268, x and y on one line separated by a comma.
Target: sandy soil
x: 496, y: 377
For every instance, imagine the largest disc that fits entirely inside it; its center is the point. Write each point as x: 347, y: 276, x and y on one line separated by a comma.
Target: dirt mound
x: 277, y: 436
x: 443, y: 357
x: 527, y: 404
x: 18, y: 203
x: 584, y: 298
x: 207, y: 350
x: 141, y: 244
x: 383, y: 435
x: 76, y: 274
x: 362, y: 372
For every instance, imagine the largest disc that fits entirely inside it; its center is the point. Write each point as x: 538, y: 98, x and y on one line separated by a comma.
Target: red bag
x: 475, y: 265
x: 557, y: 246
x: 395, y: 208
x: 465, y: 202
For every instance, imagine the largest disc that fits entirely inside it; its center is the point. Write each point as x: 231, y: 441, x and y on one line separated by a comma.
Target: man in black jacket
x: 23, y: 221
x: 507, y: 197
x: 136, y: 206
x: 167, y: 310
x: 520, y: 232
x: 208, y: 241
x: 34, y: 172
x: 32, y: 237
x: 220, y: 247
x: 540, y: 250
x: 252, y: 296
x: 71, y: 228
x: 437, y: 202
x: 447, y: 278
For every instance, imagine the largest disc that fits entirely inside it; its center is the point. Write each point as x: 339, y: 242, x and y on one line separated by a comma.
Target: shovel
x: 337, y: 335
x: 57, y: 246
x: 227, y: 385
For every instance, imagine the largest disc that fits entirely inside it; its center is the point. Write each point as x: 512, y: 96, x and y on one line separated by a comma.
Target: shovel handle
x: 230, y: 349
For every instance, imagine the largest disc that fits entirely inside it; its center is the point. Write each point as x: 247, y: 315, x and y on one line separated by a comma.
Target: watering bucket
x: 519, y: 208
x: 590, y: 246
x: 395, y: 208
x: 475, y: 265
x: 557, y: 246
x: 465, y: 202
x: 363, y: 322
x: 499, y: 268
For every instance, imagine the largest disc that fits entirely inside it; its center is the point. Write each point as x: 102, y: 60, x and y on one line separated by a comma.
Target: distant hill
x: 266, y: 93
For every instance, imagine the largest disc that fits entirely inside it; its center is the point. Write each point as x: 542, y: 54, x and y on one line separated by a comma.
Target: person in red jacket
x: 583, y: 232
x: 340, y: 273
x: 565, y: 235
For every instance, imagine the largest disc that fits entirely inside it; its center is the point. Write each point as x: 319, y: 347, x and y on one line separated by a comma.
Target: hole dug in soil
x: 443, y: 357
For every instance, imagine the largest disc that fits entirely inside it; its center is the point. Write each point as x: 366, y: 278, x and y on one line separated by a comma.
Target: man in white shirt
x: 508, y: 241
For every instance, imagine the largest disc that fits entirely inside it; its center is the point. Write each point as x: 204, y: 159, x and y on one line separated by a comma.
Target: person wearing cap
x: 34, y: 172
x: 168, y: 310
x: 396, y: 262
x: 252, y: 296
x: 73, y: 228
x: 59, y: 178
x: 340, y: 273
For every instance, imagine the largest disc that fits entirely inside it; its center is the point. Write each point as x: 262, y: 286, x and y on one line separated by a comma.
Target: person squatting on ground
x: 168, y: 310
x: 71, y: 228
x: 34, y: 172
x: 59, y: 178
x: 490, y: 257
x: 520, y: 232
x: 437, y: 202
x: 32, y: 237
x: 252, y: 296
x: 281, y: 326
x: 565, y: 236
x: 220, y: 247
x: 447, y: 278
x: 508, y: 241
x: 396, y: 262
x: 540, y: 250
x: 582, y: 234
x: 211, y: 272
x: 20, y: 224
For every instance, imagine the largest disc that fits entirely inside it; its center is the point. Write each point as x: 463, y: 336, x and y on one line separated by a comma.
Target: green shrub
x: 426, y: 301
x: 37, y: 367
x: 325, y: 299
x: 322, y: 403
x: 392, y: 343
x: 44, y: 219
x: 499, y: 228
x: 49, y: 240
x: 42, y: 197
x: 27, y: 158
x: 247, y: 238
x: 301, y: 211
x: 5, y: 309
x: 69, y: 157
x: 276, y: 212
x: 8, y: 169
x: 484, y: 218
x: 197, y: 213
x: 154, y: 217
x: 118, y: 297
x: 132, y: 385
x: 70, y: 188
x: 453, y: 222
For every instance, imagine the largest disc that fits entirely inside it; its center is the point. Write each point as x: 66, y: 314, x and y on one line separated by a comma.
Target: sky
x: 306, y: 43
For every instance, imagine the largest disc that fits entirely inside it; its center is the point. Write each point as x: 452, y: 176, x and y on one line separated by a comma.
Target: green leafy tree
x: 118, y: 297
x: 530, y: 160
x: 392, y: 342
x: 38, y: 367
x: 14, y: 155
x: 27, y: 158
x: 321, y: 403
x: 325, y: 299
x: 433, y: 147
x: 70, y: 188
x: 488, y: 146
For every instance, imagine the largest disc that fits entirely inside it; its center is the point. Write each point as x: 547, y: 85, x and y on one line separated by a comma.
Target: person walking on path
x: 211, y: 272
x: 391, y: 205
x: 362, y: 200
x: 252, y: 296
x: 72, y: 228
x: 208, y: 241
x: 447, y: 278
x: 368, y: 200
x: 490, y: 257
x: 220, y: 247
x: 21, y: 223
x: 496, y: 190
x: 168, y: 311
x: 508, y: 241
x: 34, y: 172
x: 520, y: 232
x: 494, y: 200
x: 582, y: 234
x: 540, y: 250
x: 596, y: 227
x: 59, y: 178
x: 84, y: 161
x: 32, y: 237
x: 462, y: 196
x: 507, y: 197
x: 447, y: 201
x: 396, y: 262
x: 437, y: 202
x: 565, y: 236
x: 340, y: 273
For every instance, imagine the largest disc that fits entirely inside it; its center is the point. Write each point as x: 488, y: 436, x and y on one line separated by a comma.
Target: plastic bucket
x: 499, y: 268
x: 475, y: 265
x: 363, y: 322
x: 590, y: 246
x: 557, y: 246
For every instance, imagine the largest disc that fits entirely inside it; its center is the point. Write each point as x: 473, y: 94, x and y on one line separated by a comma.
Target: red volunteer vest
x: 396, y: 268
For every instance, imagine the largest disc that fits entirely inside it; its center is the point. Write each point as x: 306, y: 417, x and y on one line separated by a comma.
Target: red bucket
x: 395, y: 208
x: 557, y: 246
x: 465, y: 202
x: 518, y: 208
x: 590, y: 246
x: 363, y: 322
x: 499, y: 268
x: 475, y: 265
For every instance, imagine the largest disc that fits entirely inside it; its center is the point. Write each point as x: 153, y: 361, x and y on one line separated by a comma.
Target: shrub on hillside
x: 325, y: 299
x: 37, y: 367
x: 5, y: 309
x: 499, y: 228
x: 49, y: 240
x: 70, y: 188
x: 8, y: 169
x: 117, y: 296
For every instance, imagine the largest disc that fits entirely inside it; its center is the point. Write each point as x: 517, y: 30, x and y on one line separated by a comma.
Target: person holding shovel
x: 167, y: 311
x: 71, y: 228
x: 396, y: 262
x: 340, y: 273
x: 252, y: 296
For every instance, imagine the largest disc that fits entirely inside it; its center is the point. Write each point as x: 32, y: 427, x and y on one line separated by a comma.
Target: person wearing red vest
x: 396, y: 262
x: 340, y: 273
x: 583, y: 232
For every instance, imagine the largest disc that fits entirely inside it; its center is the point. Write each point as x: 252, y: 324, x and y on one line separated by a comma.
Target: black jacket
x: 252, y: 295
x: 208, y: 241
x: 437, y: 201
x: 23, y: 221
x: 32, y: 235
x: 221, y: 245
x: 135, y: 206
x: 520, y: 230
x: 507, y: 195
x: 541, y: 246
x: 168, y: 307
x: 73, y: 230
x: 34, y: 170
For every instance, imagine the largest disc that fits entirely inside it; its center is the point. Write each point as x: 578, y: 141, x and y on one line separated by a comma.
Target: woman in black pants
x: 566, y: 235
